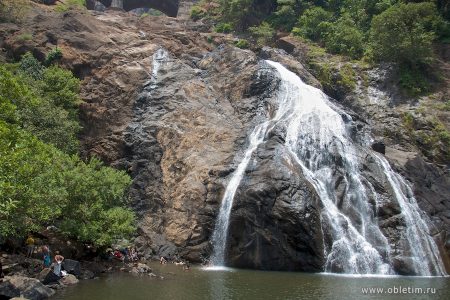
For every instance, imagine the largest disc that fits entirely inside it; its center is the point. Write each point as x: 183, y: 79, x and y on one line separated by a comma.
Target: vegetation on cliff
x: 42, y: 180
x: 396, y: 31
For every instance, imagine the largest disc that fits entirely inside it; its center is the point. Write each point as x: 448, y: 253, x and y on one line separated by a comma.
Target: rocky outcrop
x: 431, y: 184
x: 179, y: 132
x: 276, y: 222
x: 179, y: 159
x: 29, y: 288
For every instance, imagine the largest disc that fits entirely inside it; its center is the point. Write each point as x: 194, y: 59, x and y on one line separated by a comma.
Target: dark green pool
x: 244, y: 284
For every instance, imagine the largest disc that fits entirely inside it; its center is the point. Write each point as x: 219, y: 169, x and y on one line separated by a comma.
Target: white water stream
x: 317, y: 139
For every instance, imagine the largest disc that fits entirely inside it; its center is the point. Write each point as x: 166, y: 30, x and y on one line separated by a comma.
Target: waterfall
x: 320, y: 144
x: 159, y: 57
x: 219, y: 237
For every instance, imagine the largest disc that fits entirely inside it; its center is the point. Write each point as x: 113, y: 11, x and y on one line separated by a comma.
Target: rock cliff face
x: 179, y: 132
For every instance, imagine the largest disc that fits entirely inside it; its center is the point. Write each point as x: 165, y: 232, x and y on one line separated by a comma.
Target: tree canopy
x: 42, y: 180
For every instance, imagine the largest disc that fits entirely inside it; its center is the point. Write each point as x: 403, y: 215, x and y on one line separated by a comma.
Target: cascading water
x: 219, y: 237
x: 159, y: 58
x: 318, y: 141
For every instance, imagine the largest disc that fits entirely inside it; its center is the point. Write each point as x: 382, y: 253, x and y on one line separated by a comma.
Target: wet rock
x: 275, y: 222
x: 72, y: 267
x: 143, y: 268
x: 139, y: 269
x: 30, y: 288
x: 87, y: 274
x: 48, y: 2
x: 403, y: 265
x: 379, y: 147
x: 43, y: 274
x: 69, y: 280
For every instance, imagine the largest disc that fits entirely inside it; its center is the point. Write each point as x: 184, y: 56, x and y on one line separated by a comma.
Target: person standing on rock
x: 47, y: 258
x: 134, y: 254
x: 30, y: 245
x: 57, y: 266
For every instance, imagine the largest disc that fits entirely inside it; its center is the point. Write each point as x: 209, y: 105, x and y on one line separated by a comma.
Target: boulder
x: 30, y: 288
x: 275, y: 222
x: 47, y: 277
x: 379, y: 147
x: 69, y: 280
x: 87, y: 274
x: 140, y: 268
x: 43, y: 274
x: 72, y: 267
x: 143, y: 268
x: 403, y: 265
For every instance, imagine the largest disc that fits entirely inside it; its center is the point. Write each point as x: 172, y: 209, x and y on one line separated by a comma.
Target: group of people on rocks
x: 127, y: 254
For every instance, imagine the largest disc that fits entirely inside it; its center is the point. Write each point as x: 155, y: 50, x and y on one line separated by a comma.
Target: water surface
x: 246, y: 284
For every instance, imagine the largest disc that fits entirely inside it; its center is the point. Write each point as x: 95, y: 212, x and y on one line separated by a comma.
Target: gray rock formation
x: 275, y: 223
x: 30, y: 288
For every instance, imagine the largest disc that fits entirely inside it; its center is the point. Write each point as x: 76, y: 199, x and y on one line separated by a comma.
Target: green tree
x: 95, y: 211
x: 31, y: 67
x: 264, y: 34
x: 42, y: 185
x: 345, y: 38
x: 61, y: 88
x: 47, y: 107
x: 286, y: 14
x: 237, y: 12
x: 31, y: 190
x: 404, y: 33
x: 314, y: 23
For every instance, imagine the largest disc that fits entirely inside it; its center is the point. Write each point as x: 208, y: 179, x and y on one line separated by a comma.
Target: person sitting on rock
x: 118, y: 255
x: 108, y: 255
x: 162, y: 260
x: 125, y: 253
x: 30, y: 245
x: 129, y: 258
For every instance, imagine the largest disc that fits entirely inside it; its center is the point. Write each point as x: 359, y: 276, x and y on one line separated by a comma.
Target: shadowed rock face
x: 169, y: 7
x: 276, y: 222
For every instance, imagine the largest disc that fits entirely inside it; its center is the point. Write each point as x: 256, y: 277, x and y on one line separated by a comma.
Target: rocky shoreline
x: 26, y: 277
